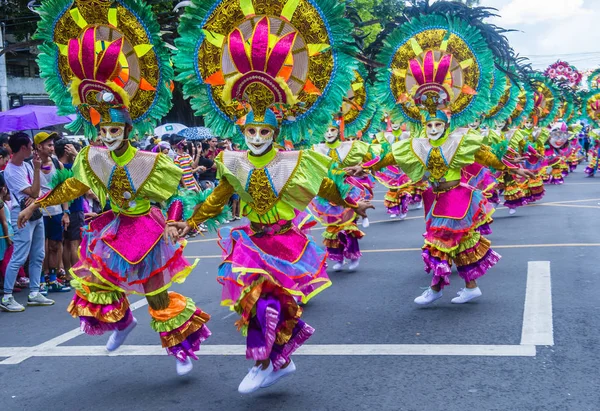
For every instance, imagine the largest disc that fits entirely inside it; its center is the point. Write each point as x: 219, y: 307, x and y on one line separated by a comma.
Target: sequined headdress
x: 563, y: 72
x: 441, y: 59
x: 591, y: 107
x: 104, y: 60
x: 524, y: 105
x: 505, y: 105
x: 593, y: 80
x: 359, y: 105
x: 288, y: 57
x: 546, y: 101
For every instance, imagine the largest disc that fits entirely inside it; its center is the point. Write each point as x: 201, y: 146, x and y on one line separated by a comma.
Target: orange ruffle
x: 177, y: 304
x: 178, y: 336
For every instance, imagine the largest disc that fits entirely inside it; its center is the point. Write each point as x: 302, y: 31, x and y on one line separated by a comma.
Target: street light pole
x: 3, y: 77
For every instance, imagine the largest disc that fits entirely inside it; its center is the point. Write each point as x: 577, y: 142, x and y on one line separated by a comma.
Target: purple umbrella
x: 31, y: 118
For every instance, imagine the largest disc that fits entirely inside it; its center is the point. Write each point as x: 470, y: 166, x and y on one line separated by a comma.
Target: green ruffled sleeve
x: 306, y: 180
x: 516, y: 139
x: 163, y: 181
x: 471, y: 142
x: 357, y: 154
x: 407, y: 160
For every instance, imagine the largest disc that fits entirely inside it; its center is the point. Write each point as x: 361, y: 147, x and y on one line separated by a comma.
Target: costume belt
x: 280, y: 227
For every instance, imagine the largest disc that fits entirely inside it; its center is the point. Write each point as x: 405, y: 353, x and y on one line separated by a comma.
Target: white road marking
x: 306, y: 350
x: 537, y: 315
x: 537, y: 330
x: 24, y: 353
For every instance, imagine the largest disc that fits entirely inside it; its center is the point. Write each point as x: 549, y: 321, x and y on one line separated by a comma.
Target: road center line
x: 306, y: 350
x: 537, y: 315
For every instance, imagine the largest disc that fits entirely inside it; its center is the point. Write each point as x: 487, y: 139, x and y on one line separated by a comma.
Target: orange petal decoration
x: 310, y: 88
x: 288, y: 144
x: 468, y: 90
x: 95, y: 116
x: 216, y: 79
x: 171, y: 85
x: 144, y: 85
x: 285, y: 72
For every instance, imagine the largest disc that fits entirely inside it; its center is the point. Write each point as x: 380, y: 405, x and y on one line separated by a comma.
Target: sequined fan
x: 593, y: 80
x: 95, y: 48
x: 524, y: 104
x: 291, y: 55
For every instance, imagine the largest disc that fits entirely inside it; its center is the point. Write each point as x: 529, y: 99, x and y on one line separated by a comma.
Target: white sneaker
x: 420, y: 205
x: 511, y: 211
x: 117, y: 338
x: 365, y: 223
x: 184, y: 367
x: 466, y: 294
x: 254, y: 379
x: 393, y: 215
x: 9, y: 304
x: 354, y: 264
x: 428, y: 296
x: 403, y: 216
x: 279, y: 374
x: 38, y: 300
x: 338, y: 266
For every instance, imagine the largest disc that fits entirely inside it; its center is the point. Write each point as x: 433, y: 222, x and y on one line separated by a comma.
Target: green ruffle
x: 101, y: 298
x: 407, y: 160
x: 50, y: 11
x: 338, y: 176
x: 309, y: 127
x: 462, y: 28
x: 176, y: 322
x: 465, y: 154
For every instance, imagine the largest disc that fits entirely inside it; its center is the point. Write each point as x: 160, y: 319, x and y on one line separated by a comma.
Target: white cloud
x: 540, y: 11
x: 552, y: 29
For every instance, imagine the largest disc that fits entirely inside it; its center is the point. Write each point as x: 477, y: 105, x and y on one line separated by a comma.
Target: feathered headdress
x: 591, y: 106
x: 441, y: 60
x: 105, y: 61
x: 546, y: 101
x: 284, y: 59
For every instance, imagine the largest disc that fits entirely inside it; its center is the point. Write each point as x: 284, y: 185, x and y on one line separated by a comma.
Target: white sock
x: 6, y: 297
x: 33, y: 294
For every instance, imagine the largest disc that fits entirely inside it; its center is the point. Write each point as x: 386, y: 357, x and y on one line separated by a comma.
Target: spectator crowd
x: 39, y: 256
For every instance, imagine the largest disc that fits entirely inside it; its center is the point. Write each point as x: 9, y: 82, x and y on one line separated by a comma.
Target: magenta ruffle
x: 262, y: 352
x: 298, y: 339
x: 474, y: 271
x: 93, y: 326
x: 189, y: 346
x: 440, y: 269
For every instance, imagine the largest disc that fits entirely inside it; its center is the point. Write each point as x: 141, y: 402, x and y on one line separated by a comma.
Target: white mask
x: 112, y: 135
x: 258, y: 138
x: 500, y: 124
x: 332, y: 134
x: 528, y: 124
x: 396, y: 126
x: 475, y: 124
x: 435, y: 129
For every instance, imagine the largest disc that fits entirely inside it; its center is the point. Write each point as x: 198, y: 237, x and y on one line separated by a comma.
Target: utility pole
x: 3, y: 77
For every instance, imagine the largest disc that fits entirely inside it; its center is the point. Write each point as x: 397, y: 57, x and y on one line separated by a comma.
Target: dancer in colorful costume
x: 434, y: 68
x: 591, y: 113
x: 246, y: 63
x: 342, y: 233
x: 117, y: 76
x: 398, y: 196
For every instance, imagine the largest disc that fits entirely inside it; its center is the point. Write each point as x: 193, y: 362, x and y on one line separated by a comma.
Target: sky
x: 552, y: 29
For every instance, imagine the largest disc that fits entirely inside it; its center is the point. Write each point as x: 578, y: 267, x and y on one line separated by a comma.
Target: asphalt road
x: 370, y: 307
